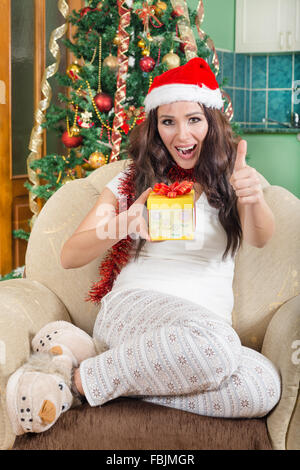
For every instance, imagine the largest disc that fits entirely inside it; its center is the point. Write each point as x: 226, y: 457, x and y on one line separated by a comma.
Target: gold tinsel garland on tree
x: 36, y: 138
x: 120, y: 95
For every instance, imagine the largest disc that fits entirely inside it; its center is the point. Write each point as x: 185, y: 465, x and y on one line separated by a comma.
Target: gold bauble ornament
x: 75, y: 130
x: 97, y: 159
x: 141, y: 43
x: 117, y: 40
x: 111, y: 62
x: 160, y: 8
x: 73, y: 71
x: 146, y: 52
x: 171, y: 59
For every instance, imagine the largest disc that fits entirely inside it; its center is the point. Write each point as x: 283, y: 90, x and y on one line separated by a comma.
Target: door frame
x: 11, y: 186
x: 5, y: 140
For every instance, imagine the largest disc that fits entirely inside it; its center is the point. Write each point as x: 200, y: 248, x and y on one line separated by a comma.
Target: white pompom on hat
x: 193, y: 81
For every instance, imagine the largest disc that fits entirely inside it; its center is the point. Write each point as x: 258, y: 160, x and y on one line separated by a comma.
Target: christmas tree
x: 119, y: 46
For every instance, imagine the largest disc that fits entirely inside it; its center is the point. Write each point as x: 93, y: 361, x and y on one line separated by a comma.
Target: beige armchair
x: 266, y: 316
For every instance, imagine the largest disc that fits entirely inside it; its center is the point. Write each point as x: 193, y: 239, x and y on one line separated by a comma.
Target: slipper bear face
x: 35, y: 400
x: 63, y: 337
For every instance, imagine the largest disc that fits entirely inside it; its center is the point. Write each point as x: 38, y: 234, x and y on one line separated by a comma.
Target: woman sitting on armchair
x: 164, y: 330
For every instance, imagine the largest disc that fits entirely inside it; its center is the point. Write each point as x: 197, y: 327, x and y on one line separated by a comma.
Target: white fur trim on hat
x: 183, y: 92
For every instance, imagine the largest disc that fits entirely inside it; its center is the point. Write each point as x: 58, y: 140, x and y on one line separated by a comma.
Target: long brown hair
x: 212, y: 171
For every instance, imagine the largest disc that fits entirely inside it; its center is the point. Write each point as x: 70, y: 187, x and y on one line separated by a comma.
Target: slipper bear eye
x: 65, y: 407
x: 61, y: 386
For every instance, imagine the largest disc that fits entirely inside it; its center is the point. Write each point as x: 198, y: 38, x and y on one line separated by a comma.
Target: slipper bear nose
x: 47, y: 412
x: 56, y: 350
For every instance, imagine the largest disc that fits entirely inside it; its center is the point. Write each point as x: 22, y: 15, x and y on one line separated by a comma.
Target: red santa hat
x: 193, y: 81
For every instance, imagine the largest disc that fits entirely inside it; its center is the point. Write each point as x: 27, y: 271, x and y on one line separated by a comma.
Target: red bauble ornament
x: 71, y: 142
x: 147, y: 64
x: 104, y: 102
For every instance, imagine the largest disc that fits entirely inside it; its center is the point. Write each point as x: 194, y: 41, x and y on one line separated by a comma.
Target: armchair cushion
x: 266, y: 278
x: 26, y: 306
x: 282, y: 346
x: 126, y: 424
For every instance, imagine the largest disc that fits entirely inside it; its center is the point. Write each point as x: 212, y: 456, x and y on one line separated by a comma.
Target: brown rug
x: 127, y: 424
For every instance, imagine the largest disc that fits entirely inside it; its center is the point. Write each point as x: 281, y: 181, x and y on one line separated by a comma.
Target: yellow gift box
x: 171, y: 218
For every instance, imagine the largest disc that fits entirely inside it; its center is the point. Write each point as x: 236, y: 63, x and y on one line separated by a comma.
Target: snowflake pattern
x: 209, y: 352
x: 172, y: 337
x: 157, y: 366
x: 236, y: 380
x: 109, y: 360
x: 217, y: 407
x: 192, y: 405
x: 197, y: 332
x: 182, y: 360
x: 193, y: 379
x: 245, y: 403
x: 137, y: 374
x: 116, y: 381
x: 96, y: 392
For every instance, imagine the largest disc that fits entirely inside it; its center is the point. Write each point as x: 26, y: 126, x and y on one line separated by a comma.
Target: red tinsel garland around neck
x: 176, y: 173
x: 118, y: 256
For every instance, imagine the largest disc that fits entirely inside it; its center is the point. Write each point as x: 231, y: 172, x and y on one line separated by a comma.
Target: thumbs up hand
x: 244, y: 179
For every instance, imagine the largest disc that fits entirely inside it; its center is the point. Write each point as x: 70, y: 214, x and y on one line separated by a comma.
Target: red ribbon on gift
x: 175, y: 189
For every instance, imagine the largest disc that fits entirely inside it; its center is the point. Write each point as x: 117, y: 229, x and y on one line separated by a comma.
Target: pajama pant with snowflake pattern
x: 175, y: 353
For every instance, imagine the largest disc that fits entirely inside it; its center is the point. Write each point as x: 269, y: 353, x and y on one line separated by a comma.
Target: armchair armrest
x: 25, y: 307
x: 282, y: 346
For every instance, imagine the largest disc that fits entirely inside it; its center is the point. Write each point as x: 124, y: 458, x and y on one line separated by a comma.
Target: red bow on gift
x: 175, y: 189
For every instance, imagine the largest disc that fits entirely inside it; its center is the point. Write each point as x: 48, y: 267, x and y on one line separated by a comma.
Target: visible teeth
x: 185, y: 148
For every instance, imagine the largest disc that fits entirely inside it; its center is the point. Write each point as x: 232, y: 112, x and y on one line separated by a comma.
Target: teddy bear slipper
x: 39, y: 392
x: 62, y: 337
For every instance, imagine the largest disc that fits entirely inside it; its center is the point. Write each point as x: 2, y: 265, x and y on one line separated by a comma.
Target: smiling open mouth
x: 186, y: 150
